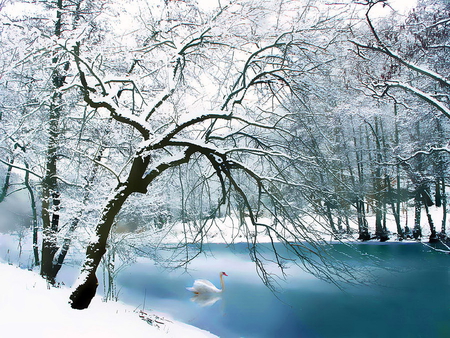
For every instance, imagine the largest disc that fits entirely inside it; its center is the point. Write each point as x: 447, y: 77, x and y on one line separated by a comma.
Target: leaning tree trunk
x: 87, y: 281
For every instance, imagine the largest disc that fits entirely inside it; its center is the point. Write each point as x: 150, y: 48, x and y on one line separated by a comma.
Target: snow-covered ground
x: 29, y: 308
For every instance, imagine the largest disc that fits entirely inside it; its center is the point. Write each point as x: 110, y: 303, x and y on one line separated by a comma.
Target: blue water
x: 411, y: 298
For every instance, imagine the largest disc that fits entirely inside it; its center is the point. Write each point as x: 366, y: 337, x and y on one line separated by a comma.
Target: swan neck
x: 222, y: 283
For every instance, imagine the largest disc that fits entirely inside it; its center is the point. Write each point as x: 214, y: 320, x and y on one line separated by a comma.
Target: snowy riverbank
x: 28, y: 308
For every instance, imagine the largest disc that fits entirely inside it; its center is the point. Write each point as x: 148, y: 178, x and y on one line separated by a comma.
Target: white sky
x: 402, y: 6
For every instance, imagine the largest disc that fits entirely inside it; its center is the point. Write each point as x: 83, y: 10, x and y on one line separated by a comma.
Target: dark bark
x: 444, y: 209
x: 441, y: 198
x: 83, y: 294
x: 396, y: 207
x: 329, y: 214
x: 437, y: 194
x: 433, y: 236
x: 34, y: 221
x: 5, y: 187
x: 51, y: 202
x: 137, y: 182
x: 51, y: 197
x: 362, y: 221
x: 85, y: 291
x: 81, y: 298
x: 380, y: 231
x: 417, y: 231
x: 363, y: 227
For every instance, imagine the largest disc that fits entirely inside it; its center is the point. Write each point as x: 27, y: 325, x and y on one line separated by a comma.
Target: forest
x: 296, y: 121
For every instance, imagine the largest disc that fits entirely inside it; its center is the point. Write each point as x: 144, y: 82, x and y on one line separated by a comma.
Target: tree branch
x: 425, y: 96
x: 21, y: 168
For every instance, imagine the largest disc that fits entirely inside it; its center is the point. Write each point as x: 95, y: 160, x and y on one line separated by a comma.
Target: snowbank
x: 29, y: 308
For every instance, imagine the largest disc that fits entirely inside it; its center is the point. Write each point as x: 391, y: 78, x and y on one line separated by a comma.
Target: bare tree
x: 242, y: 139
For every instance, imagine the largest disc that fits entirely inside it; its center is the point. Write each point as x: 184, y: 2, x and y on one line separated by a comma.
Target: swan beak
x: 223, y: 273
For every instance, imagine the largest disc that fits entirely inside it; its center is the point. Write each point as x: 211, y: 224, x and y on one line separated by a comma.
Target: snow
x: 29, y: 308
x: 227, y: 229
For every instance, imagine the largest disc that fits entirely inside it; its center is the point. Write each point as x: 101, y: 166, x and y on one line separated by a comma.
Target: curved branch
x: 21, y: 168
x: 424, y: 96
x: 383, y: 48
x: 164, y: 165
x: 171, y: 134
x: 99, y: 163
x: 86, y: 90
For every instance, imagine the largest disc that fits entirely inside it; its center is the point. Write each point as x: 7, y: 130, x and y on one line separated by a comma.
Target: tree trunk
x: 330, y: 217
x: 5, y: 187
x: 87, y: 281
x: 395, y: 206
x: 50, y: 196
x: 51, y: 201
x: 34, y: 221
x: 427, y: 203
x: 444, y: 210
x: 433, y: 236
x: 379, y: 192
x: 417, y: 231
x: 363, y: 226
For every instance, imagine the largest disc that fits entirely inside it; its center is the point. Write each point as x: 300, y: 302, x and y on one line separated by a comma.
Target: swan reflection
x: 205, y: 299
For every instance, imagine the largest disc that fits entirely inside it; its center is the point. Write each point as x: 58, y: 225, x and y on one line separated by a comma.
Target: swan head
x: 223, y: 274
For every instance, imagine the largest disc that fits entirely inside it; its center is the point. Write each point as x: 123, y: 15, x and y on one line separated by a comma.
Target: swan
x: 203, y: 286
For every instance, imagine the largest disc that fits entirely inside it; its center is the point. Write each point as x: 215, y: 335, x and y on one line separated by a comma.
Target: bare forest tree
x: 36, y: 75
x: 415, y: 54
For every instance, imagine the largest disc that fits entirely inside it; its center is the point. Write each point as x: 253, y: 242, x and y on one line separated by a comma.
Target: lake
x: 411, y: 298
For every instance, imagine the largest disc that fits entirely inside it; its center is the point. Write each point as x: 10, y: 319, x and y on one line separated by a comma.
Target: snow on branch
x: 383, y: 48
x: 162, y: 165
x: 105, y: 101
x: 424, y: 152
x: 260, y: 58
x: 21, y: 168
x: 204, y: 117
x: 425, y: 96
x: 98, y: 163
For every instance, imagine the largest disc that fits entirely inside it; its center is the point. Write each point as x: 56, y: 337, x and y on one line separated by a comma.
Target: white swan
x: 202, y: 286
